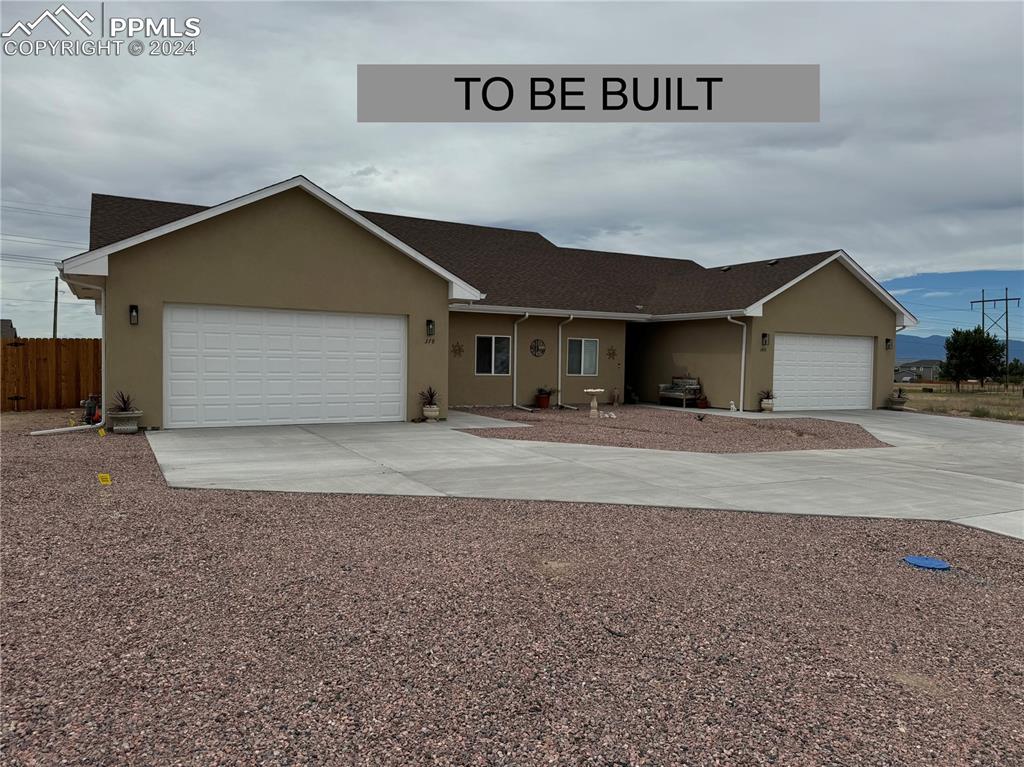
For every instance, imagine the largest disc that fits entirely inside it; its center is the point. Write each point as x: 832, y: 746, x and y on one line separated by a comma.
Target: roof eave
x: 595, y: 314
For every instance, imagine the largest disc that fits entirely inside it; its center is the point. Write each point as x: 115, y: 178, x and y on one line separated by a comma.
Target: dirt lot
x: 695, y: 431
x: 990, y: 403
x: 142, y: 625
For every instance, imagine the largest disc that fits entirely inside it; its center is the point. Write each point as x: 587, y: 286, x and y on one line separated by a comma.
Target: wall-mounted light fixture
x: 430, y: 327
x: 133, y: 314
x: 888, y: 344
x: 764, y: 340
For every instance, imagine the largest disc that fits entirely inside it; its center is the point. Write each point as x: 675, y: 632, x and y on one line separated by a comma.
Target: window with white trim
x: 493, y: 355
x: 582, y: 357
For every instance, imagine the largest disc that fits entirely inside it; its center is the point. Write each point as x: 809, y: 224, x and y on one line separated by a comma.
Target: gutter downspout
x: 103, y: 369
x: 743, y: 358
x: 515, y: 363
x: 559, y: 376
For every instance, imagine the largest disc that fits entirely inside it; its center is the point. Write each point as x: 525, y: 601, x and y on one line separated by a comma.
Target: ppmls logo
x: 55, y: 17
x: 164, y: 36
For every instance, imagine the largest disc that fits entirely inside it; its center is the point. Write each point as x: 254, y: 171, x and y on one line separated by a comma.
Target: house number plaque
x: 538, y: 347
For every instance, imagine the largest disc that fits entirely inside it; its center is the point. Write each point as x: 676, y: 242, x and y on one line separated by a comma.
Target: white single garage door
x: 823, y: 372
x: 226, y: 366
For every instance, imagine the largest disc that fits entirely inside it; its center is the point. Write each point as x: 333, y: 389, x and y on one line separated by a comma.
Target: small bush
x: 981, y: 412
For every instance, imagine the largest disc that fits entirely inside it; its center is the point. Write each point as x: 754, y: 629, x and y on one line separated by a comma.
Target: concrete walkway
x: 961, y: 470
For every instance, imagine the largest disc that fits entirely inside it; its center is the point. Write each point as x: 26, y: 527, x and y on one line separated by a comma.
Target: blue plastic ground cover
x: 928, y: 563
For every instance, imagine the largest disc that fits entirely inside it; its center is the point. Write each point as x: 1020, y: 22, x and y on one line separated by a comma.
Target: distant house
x: 919, y: 370
x: 7, y: 330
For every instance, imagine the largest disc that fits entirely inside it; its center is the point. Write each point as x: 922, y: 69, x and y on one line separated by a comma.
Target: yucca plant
x: 429, y: 397
x: 123, y: 403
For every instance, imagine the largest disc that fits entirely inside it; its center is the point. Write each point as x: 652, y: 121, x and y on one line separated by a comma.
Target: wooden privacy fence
x: 41, y: 373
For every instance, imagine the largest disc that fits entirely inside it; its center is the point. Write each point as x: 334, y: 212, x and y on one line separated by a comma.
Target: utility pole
x: 56, y: 282
x: 1002, y: 322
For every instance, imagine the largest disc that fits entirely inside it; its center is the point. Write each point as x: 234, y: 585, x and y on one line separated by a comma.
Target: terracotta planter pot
x: 543, y: 401
x: 703, y: 403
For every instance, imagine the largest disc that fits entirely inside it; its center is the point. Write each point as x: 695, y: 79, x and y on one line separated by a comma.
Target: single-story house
x: 287, y: 306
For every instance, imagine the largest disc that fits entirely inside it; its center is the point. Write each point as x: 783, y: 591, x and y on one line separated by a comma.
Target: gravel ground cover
x: 691, y: 431
x: 143, y: 625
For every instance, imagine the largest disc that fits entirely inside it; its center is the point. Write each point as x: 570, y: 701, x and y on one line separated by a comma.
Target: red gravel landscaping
x: 143, y: 625
x: 691, y: 431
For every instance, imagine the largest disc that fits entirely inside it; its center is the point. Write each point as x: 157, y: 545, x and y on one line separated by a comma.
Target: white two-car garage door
x: 823, y: 372
x: 226, y: 366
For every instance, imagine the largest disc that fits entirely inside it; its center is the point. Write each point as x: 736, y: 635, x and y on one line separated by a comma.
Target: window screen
x: 493, y: 355
x: 582, y: 357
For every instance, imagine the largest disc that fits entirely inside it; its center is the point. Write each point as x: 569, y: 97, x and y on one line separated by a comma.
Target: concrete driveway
x: 961, y: 470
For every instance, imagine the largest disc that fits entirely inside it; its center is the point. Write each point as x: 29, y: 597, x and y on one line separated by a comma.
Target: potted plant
x: 543, y: 399
x: 124, y: 416
x: 429, y: 398
x: 898, y: 399
x: 702, y: 401
x: 767, y: 398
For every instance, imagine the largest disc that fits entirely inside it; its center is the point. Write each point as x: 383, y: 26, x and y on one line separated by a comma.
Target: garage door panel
x: 226, y: 366
x: 277, y: 365
x: 182, y: 314
x: 819, y: 372
x: 309, y: 365
x: 181, y: 363
x: 216, y: 365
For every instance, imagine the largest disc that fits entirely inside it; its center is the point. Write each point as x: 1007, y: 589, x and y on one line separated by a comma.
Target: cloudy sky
x: 916, y: 167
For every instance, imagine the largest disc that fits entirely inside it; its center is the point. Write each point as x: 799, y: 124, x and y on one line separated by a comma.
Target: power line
x: 47, y: 205
x: 47, y: 301
x: 24, y: 255
x: 21, y: 265
x: 43, y: 240
x: 42, y: 212
x: 936, y: 306
x: 28, y: 257
x: 36, y: 262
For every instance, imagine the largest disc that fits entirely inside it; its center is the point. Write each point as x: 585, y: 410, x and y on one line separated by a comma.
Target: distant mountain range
x: 910, y: 348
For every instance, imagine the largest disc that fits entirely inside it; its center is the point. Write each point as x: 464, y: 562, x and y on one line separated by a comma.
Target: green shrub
x: 981, y: 412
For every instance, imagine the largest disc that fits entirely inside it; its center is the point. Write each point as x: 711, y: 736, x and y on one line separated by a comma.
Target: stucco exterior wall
x: 832, y: 301
x: 704, y: 349
x: 829, y: 302
x: 289, y: 251
x: 467, y: 388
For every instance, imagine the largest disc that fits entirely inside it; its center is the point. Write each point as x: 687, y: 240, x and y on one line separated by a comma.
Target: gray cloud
x: 916, y: 165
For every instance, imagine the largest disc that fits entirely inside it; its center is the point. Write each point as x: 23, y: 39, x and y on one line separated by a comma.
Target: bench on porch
x: 686, y: 390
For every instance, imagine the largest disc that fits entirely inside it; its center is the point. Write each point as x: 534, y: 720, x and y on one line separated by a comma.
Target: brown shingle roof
x: 522, y: 268
x: 115, y: 218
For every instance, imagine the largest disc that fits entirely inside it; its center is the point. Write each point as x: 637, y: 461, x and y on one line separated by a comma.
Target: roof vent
x: 726, y: 268
x: 773, y: 262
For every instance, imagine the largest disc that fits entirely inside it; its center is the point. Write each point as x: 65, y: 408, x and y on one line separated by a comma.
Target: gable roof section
x: 903, y: 317
x: 94, y: 262
x: 522, y: 270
